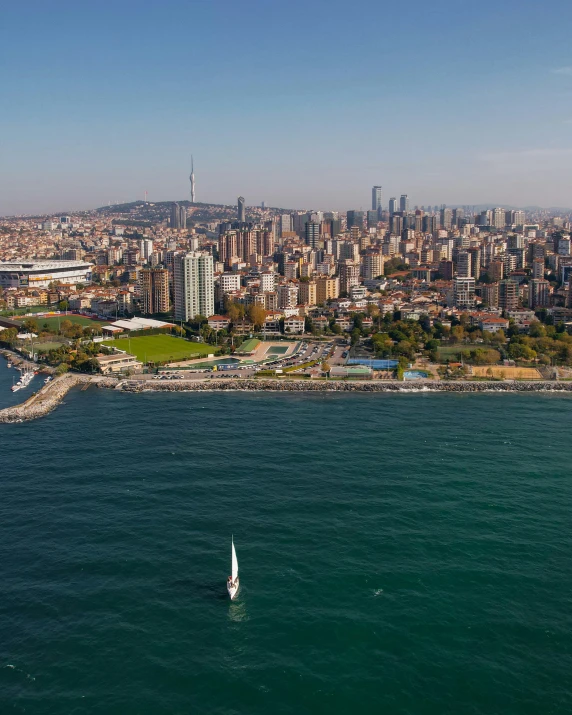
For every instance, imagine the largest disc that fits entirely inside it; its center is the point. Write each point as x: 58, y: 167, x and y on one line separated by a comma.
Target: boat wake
x: 19, y: 670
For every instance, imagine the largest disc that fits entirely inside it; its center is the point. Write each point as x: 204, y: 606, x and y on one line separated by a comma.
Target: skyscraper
x: 372, y: 218
x: 178, y: 216
x: 538, y: 293
x: 154, y: 290
x: 194, y: 285
x: 499, y: 218
x: 192, y: 178
x: 392, y: 205
x: 446, y: 218
x: 146, y: 248
x: 313, y: 234
x: 404, y: 203
x: 508, y: 295
x: 355, y: 218
x: 376, y: 198
x: 241, y: 209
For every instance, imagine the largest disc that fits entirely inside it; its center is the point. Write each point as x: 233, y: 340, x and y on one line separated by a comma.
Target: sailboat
x: 232, y: 581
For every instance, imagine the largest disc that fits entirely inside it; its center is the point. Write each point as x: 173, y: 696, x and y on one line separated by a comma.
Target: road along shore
x: 49, y: 397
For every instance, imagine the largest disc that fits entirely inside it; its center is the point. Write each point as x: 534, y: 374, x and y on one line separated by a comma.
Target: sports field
x: 159, y: 348
x: 508, y: 373
x: 55, y: 321
x: 46, y: 347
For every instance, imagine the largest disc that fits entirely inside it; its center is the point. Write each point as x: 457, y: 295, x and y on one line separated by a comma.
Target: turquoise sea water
x: 406, y: 554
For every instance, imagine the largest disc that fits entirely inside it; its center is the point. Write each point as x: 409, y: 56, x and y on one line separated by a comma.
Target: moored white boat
x: 232, y: 583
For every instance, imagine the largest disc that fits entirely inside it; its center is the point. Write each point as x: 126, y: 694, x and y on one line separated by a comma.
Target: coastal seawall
x: 277, y: 385
x: 50, y: 396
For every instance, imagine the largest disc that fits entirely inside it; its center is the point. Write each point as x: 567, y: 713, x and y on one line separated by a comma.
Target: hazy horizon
x: 102, y: 106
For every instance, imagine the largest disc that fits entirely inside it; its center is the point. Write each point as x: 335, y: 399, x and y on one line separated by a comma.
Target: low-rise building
x: 118, y: 363
x: 218, y: 322
x: 294, y: 324
x: 493, y: 324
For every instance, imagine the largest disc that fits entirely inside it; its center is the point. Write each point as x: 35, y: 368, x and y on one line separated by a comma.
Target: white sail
x: 234, y: 563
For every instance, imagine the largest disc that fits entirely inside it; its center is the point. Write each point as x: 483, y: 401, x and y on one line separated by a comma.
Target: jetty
x: 50, y: 396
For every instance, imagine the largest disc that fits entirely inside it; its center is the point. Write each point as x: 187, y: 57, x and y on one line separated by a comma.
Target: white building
x: 194, y: 285
x: 39, y: 274
x: 464, y: 292
x: 267, y: 282
x: 146, y: 248
x: 294, y: 324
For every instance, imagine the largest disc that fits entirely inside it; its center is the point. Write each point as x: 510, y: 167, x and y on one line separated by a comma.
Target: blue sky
x: 299, y: 104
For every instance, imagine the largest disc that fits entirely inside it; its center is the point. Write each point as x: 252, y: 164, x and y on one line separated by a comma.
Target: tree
x: 355, y: 336
x: 30, y: 325
x: 62, y: 368
x: 425, y: 323
x: 405, y: 348
x: 326, y: 366
x: 382, y: 344
x: 257, y: 315
x: 235, y: 311
x: 65, y: 325
x: 537, y: 330
x: 9, y: 336
x: 309, y: 325
x: 498, y: 338
x: 458, y: 333
x: 63, y: 305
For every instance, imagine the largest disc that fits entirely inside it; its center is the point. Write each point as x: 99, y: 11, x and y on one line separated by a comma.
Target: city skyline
x: 423, y: 124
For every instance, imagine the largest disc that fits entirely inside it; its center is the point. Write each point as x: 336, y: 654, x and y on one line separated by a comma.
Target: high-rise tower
x: 178, y: 216
x: 192, y: 178
x: 194, y: 285
x: 376, y: 198
x: 241, y: 209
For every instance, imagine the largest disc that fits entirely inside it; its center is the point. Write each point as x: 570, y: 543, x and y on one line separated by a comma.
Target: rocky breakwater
x: 288, y: 385
x: 49, y: 397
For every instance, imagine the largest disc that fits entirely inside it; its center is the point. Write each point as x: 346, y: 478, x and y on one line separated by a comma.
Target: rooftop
x: 41, y: 265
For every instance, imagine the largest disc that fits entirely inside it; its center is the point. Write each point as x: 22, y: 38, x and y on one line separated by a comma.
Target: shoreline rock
x: 50, y: 395
x: 277, y: 385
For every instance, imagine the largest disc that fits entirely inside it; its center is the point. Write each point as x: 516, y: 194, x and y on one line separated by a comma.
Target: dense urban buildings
x: 312, y: 267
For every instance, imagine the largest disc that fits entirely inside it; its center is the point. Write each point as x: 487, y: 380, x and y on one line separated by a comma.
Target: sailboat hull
x: 233, y: 589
